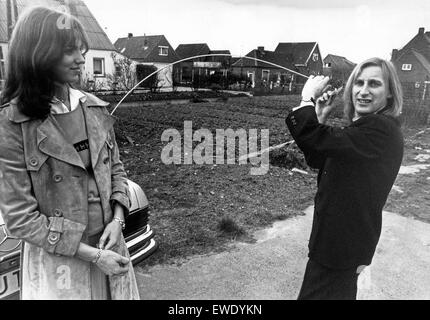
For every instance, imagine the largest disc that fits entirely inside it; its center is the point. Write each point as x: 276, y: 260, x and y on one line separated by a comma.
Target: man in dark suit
x: 357, y: 164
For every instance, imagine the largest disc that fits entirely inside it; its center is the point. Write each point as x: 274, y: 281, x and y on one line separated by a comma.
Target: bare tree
x: 124, y: 77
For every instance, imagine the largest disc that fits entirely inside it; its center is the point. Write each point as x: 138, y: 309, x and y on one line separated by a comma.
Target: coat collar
x: 50, y: 137
x: 15, y: 115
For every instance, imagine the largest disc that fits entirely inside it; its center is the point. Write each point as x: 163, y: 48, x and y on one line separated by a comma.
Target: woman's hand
x: 111, y: 235
x: 112, y: 264
x: 112, y: 232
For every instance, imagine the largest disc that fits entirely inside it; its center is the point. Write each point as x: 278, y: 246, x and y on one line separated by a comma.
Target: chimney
x: 394, y: 54
x: 421, y: 31
x: 130, y: 35
x: 261, y: 49
x: 145, y: 42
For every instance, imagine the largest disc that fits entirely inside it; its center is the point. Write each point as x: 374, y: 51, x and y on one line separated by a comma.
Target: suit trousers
x: 322, y: 283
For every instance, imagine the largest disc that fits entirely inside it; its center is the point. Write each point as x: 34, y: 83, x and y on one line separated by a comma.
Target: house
x: 185, y: 70
x: 413, y: 60
x: 224, y: 60
x: 260, y: 73
x: 338, y: 68
x: 303, y: 58
x: 99, y: 62
x: 146, y: 51
x: 204, y: 66
x: 412, y: 63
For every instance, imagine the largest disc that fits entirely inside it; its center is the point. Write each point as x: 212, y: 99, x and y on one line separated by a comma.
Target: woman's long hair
x: 389, y: 73
x: 39, y: 41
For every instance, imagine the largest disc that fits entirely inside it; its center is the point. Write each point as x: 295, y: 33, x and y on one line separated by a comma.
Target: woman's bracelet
x: 121, y: 222
x: 98, y: 255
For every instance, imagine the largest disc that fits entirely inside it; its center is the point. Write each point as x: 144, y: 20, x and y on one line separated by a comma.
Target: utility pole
x: 9, y: 19
x: 15, y: 11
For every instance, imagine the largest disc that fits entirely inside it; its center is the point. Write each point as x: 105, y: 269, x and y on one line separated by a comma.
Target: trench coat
x: 44, y: 199
x: 357, y: 166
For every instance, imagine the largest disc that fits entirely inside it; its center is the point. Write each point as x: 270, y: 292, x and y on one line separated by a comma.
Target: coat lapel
x: 98, y: 126
x: 51, y: 141
x: 51, y: 138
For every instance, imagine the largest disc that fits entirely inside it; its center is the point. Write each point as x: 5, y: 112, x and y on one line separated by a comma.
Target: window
x: 328, y: 65
x: 406, y: 67
x: 265, y: 75
x: 99, y: 67
x: 315, y: 57
x: 163, y: 51
x: 118, y: 69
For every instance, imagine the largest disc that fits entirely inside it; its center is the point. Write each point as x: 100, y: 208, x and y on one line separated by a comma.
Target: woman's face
x: 68, y: 69
x: 369, y: 92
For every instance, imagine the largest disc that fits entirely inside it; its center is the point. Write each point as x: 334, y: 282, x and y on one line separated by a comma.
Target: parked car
x: 138, y: 235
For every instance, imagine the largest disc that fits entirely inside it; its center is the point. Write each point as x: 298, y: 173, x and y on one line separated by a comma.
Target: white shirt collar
x: 76, y: 96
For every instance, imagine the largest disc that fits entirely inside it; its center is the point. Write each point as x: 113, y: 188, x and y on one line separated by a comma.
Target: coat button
x: 58, y: 213
x: 34, y: 162
x: 106, y: 161
x: 53, y: 238
x: 58, y: 178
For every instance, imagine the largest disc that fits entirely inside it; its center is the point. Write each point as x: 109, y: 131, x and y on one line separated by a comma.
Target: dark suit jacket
x: 357, y: 166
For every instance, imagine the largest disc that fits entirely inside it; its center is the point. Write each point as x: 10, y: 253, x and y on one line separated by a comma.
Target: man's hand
x: 314, y: 87
x: 324, y: 104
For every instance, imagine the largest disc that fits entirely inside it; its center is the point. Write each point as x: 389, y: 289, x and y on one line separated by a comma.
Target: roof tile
x: 145, y: 49
x: 97, y: 37
x: 192, y: 50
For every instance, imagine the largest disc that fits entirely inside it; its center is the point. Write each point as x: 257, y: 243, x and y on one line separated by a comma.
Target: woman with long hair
x: 63, y: 188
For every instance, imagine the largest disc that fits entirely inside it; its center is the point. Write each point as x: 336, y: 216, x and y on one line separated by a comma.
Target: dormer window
x: 163, y: 51
x: 406, y: 67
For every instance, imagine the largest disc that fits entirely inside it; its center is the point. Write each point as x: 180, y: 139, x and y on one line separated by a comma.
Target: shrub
x: 229, y: 226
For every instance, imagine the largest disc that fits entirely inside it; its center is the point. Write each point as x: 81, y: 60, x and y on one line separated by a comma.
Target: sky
x: 355, y: 29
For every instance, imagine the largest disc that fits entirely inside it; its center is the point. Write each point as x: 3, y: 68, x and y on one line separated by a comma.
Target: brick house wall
x: 417, y: 73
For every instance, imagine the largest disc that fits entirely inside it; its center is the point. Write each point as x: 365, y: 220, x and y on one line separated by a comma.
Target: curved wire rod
x: 196, y: 57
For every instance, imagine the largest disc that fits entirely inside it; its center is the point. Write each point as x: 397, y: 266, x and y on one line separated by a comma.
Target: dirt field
x: 197, y: 209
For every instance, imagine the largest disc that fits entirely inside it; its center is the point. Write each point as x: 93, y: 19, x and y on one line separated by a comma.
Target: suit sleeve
x: 364, y: 139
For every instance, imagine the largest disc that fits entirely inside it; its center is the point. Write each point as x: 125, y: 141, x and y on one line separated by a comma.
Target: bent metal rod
x: 203, y: 56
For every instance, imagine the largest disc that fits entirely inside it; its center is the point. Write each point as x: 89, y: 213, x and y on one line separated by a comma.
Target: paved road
x: 273, y: 267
